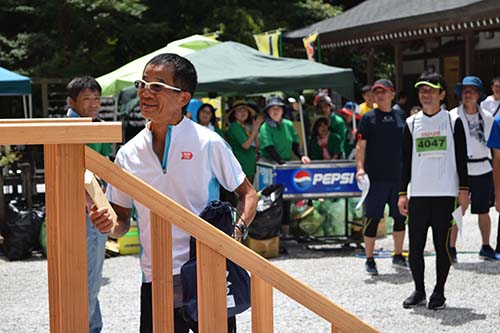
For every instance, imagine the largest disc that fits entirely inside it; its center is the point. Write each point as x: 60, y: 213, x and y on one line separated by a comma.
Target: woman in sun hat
x: 241, y: 139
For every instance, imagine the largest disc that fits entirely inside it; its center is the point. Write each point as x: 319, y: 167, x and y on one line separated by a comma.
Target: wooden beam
x: 370, y: 67
x: 398, y: 62
x: 57, y: 132
x: 163, y: 283
x: 94, y: 190
x: 470, y: 44
x: 44, y: 120
x: 262, y: 306
x: 66, y: 238
x: 211, y: 288
x: 223, y: 244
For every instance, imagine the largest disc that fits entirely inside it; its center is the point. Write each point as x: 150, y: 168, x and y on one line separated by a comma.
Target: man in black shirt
x: 378, y: 156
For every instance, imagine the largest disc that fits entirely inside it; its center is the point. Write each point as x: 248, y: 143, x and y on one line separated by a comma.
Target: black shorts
x: 482, y: 193
x: 380, y: 194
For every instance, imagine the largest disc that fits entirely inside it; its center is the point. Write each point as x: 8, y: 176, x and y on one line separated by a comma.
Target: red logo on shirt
x: 186, y: 155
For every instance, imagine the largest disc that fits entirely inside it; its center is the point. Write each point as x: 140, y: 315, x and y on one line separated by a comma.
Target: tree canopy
x: 54, y: 38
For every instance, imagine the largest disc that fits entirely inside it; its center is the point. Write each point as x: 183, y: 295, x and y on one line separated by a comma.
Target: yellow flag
x: 269, y: 43
x: 309, y: 45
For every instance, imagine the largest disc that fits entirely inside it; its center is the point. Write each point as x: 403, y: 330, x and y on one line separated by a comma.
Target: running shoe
x: 399, y: 261
x: 371, y: 267
x: 415, y: 299
x: 487, y: 253
x: 436, y: 302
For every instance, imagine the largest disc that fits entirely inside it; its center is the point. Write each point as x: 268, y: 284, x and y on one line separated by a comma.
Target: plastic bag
x: 22, y: 230
x: 334, y: 210
x: 267, y: 221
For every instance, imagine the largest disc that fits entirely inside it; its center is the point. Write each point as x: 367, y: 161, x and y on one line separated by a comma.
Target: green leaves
x: 56, y: 38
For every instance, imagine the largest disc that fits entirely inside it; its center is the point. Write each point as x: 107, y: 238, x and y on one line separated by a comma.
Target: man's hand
x: 403, y: 204
x: 360, y: 174
x: 497, y: 202
x: 101, y: 219
x: 464, y: 200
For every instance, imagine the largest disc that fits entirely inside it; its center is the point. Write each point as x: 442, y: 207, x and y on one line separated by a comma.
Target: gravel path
x: 472, y: 291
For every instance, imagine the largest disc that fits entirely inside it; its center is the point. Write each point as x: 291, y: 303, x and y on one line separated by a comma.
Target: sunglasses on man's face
x: 154, y: 87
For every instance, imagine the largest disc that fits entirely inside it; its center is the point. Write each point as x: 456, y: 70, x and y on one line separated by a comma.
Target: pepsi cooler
x: 315, y: 180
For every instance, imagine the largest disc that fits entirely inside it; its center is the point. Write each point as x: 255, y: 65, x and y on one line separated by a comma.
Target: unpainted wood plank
x: 57, y: 132
x: 262, y: 306
x: 162, y: 285
x: 211, y: 288
x: 94, y: 190
x: 66, y: 238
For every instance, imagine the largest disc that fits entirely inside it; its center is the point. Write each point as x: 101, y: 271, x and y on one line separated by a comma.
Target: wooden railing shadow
x: 64, y: 166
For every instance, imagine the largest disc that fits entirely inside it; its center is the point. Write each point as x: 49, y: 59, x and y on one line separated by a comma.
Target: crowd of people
x: 422, y: 163
x: 440, y: 159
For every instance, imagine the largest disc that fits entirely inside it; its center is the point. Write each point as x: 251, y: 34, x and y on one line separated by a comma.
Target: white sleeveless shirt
x: 433, y: 166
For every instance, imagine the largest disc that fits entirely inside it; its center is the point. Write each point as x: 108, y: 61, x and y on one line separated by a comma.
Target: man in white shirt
x: 477, y: 125
x: 181, y: 159
x: 492, y: 103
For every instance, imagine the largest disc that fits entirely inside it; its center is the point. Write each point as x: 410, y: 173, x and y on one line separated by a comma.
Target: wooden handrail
x: 46, y: 120
x: 59, y: 132
x: 216, y: 240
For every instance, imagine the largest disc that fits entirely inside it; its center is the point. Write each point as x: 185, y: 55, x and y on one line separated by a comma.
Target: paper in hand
x: 364, y: 186
x: 457, y: 216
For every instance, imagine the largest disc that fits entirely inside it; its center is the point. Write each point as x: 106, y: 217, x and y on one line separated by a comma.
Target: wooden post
x: 469, y: 53
x: 66, y: 237
x: 161, y: 264
x: 211, y: 284
x: 370, y: 67
x: 262, y: 306
x: 398, y: 62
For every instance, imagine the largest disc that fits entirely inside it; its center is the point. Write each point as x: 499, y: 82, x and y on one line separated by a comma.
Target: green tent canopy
x: 125, y: 76
x: 232, y: 68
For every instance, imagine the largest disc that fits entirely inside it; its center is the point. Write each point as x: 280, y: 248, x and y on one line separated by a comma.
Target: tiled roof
x: 382, y: 15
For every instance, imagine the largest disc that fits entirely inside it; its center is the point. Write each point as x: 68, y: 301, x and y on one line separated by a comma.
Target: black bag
x: 267, y: 221
x: 219, y: 214
x: 21, y: 230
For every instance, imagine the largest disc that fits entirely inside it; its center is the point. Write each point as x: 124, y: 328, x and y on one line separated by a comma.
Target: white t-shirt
x: 491, y: 105
x: 198, y: 160
x: 477, y: 133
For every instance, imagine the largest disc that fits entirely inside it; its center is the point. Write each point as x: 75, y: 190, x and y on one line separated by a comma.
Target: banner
x: 269, y: 43
x: 309, y: 41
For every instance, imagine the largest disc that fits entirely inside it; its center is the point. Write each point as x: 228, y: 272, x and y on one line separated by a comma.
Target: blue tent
x: 12, y: 84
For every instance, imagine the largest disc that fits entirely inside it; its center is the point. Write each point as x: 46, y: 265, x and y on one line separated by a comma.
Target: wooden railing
x: 65, y: 164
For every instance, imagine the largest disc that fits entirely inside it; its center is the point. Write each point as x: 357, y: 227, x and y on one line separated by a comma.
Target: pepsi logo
x: 302, y: 180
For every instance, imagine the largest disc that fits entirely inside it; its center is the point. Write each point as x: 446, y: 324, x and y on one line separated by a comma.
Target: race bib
x: 431, y: 144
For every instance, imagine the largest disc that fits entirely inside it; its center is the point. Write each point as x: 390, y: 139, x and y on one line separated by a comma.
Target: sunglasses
x: 154, y: 87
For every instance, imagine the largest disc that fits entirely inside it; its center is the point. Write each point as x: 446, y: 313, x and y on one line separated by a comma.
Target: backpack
x: 220, y: 215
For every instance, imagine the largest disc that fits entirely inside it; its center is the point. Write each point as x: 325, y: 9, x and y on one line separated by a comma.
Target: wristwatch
x: 242, y: 227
